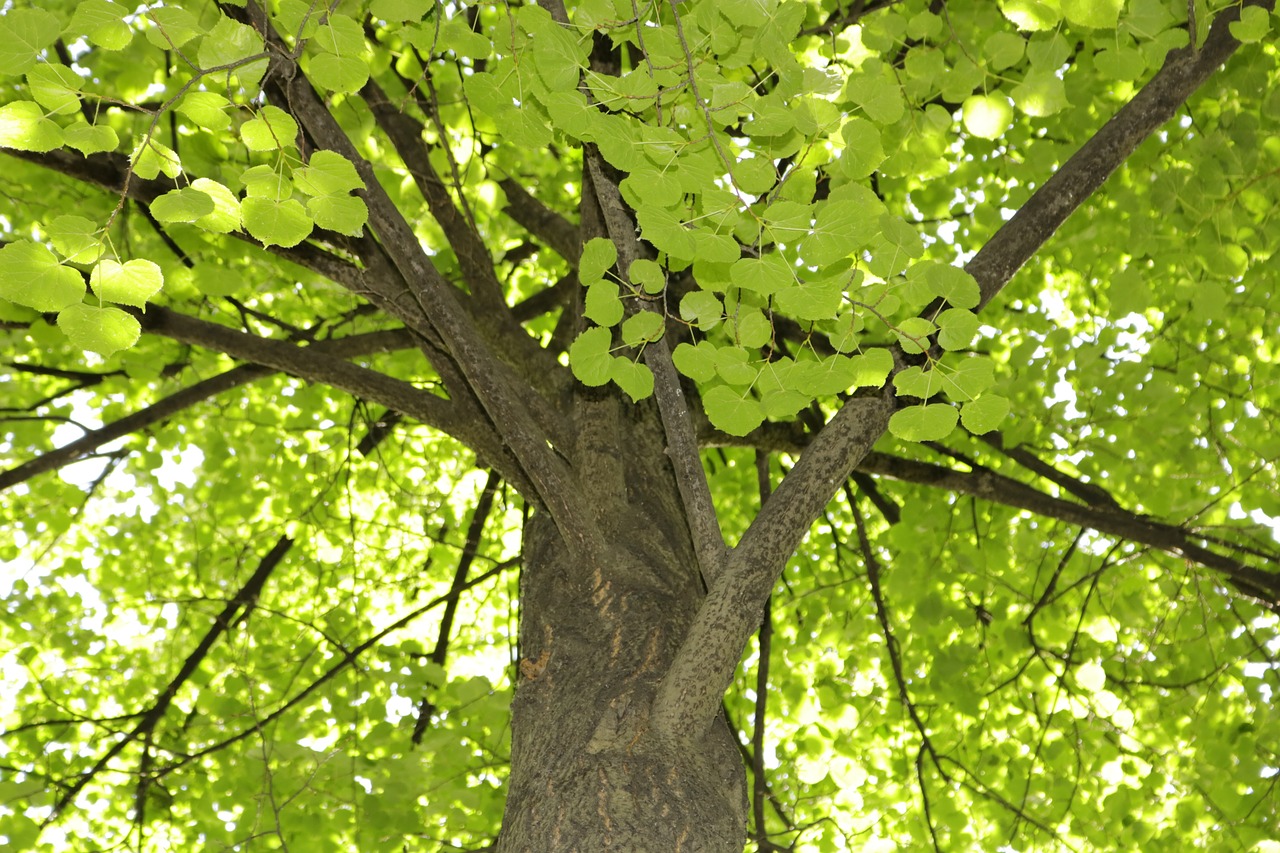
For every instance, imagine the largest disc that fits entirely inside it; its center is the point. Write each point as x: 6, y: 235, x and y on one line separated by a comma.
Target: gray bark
x: 588, y: 771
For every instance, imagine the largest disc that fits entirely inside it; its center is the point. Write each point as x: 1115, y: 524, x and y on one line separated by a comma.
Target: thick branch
x: 541, y: 221
x: 190, y: 396
x: 312, y: 364
x: 525, y: 422
x: 1109, y: 519
x: 405, y: 133
x: 689, y: 697
x: 1184, y: 71
x: 677, y: 423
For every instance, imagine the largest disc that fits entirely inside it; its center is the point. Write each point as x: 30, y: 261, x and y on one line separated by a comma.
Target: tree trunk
x: 587, y: 773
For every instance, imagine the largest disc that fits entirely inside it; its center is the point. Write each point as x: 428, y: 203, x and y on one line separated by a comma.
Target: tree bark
x: 588, y: 773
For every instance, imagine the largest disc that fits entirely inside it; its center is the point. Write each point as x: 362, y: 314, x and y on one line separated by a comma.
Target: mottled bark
x: 588, y: 771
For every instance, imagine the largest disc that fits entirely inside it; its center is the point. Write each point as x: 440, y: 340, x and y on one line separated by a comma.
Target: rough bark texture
x: 588, y: 772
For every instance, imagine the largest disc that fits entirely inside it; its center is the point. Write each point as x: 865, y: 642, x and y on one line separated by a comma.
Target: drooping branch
x: 110, y: 171
x: 689, y: 695
x: 452, y: 417
x: 238, y: 604
x: 205, y: 389
x: 1111, y: 520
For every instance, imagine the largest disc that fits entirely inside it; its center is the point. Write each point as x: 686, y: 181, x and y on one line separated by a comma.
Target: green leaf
x: 946, y: 281
x: 1098, y: 14
x: 1253, y: 25
x: 958, y: 328
x: 765, y: 275
x: 634, y: 378
x: 984, y: 414
x: 30, y: 275
x: 732, y: 412
x: 598, y: 255
x: 749, y: 328
x: 271, y: 129
x: 871, y: 368
x: 225, y: 217
x: 328, y: 173
x: 344, y: 214
x: 968, y: 379
x: 913, y: 334
x: 986, y: 116
x: 863, y: 151
x: 703, y: 308
x: 55, y: 87
x: 230, y: 45
x: 787, y: 221
x: 783, y: 403
x: 101, y: 330
x: 818, y: 299
x: 915, y: 381
x: 877, y: 93
x: 589, y: 356
x: 275, y: 223
x: 841, y: 228
x: 557, y: 55
x: 733, y: 367
x: 130, y: 283
x: 1032, y: 15
x: 91, y: 139
x: 1002, y: 50
x: 24, y: 33
x: 102, y: 21
x: 643, y: 327
x: 207, y: 109
x: 76, y: 238
x: 341, y: 35
x: 1040, y: 94
x: 23, y: 126
x: 648, y: 275
x: 152, y: 157
x: 661, y: 228
x: 184, y: 205
x: 401, y: 10
x: 174, y: 27
x: 696, y: 362
x: 342, y: 74
x: 716, y: 248
x: 267, y: 182
x: 924, y: 423
x: 602, y: 305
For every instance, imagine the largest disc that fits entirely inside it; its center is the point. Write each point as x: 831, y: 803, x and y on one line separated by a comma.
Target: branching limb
x: 479, y: 517
x: 1184, y: 71
x: 703, y: 668
x: 521, y: 418
x: 336, y: 349
x: 313, y: 365
x: 689, y: 695
x: 243, y: 600
x: 677, y: 422
x: 541, y: 221
x: 988, y: 485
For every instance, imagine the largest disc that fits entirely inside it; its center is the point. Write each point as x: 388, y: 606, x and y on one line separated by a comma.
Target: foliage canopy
x: 302, y: 303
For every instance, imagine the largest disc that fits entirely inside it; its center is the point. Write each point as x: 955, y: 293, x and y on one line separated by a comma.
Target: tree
x: 690, y: 336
